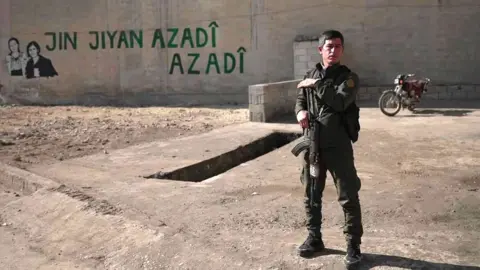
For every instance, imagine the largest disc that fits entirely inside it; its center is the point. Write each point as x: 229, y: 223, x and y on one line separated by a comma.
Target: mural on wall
x: 16, y: 59
x: 38, y: 65
x: 29, y: 64
x: 170, y: 38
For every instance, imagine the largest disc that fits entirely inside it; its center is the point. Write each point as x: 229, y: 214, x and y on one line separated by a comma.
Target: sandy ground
x: 43, y: 135
x: 32, y: 135
x: 420, y: 196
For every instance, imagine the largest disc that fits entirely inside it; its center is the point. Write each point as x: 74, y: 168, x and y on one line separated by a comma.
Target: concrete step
x: 56, y: 227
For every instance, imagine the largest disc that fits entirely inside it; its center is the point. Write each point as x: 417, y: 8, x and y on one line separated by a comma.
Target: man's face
x: 331, y: 51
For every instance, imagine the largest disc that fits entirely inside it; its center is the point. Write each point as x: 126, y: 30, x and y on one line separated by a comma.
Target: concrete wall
x: 271, y: 101
x: 138, y: 65
x: 276, y: 101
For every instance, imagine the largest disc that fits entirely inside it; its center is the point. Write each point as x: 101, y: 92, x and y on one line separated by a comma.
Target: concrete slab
x: 419, y: 196
x: 146, y: 159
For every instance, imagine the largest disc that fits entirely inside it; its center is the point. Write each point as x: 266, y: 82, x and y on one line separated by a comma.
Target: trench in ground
x: 219, y: 164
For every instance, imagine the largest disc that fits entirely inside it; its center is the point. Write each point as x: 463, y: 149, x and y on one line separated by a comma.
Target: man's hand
x: 302, y: 118
x: 307, y: 83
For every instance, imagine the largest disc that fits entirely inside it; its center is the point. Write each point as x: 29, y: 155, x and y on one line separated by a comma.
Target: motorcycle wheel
x: 389, y: 96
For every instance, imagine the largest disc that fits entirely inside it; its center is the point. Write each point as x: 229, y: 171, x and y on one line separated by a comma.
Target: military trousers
x: 339, y: 161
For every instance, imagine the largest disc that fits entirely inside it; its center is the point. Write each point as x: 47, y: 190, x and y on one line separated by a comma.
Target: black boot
x: 311, y: 246
x: 354, y: 255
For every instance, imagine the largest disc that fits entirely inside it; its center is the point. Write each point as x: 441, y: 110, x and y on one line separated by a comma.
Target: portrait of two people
x: 31, y: 64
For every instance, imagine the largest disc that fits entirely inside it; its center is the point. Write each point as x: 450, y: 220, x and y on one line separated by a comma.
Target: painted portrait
x: 16, y: 59
x: 37, y: 64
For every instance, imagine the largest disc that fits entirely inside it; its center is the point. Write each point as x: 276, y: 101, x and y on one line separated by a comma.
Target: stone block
x: 256, y: 99
x: 454, y: 88
x: 461, y: 88
x: 364, y: 97
x: 473, y: 95
x: 374, y: 90
x: 300, y: 52
x: 303, y: 45
x: 438, y: 89
x: 458, y: 92
x: 469, y: 88
x: 444, y: 95
x: 314, y: 58
x: 312, y: 51
x: 300, y: 66
x: 375, y: 97
x: 256, y: 116
x: 430, y: 96
x: 459, y: 95
x: 299, y: 76
x: 273, y: 100
x: 362, y: 90
x: 301, y: 71
x: 300, y: 58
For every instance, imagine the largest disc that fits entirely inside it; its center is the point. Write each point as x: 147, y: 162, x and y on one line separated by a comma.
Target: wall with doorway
x: 148, y: 52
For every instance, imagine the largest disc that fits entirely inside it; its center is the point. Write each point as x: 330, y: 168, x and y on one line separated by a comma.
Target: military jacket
x: 336, y: 89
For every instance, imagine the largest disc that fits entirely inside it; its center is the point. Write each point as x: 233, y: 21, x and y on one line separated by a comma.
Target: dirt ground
x: 43, y: 135
x: 420, y: 195
x: 32, y: 135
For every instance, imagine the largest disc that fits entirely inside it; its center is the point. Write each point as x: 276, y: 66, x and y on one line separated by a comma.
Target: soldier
x: 335, y: 88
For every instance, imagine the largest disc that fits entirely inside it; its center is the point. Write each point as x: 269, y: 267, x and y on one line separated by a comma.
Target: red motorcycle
x: 407, y: 94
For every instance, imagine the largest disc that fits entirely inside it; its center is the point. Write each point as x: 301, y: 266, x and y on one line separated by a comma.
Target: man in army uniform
x: 335, y: 88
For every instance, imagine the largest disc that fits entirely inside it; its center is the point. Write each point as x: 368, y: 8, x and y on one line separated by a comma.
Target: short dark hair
x: 329, y: 34
x: 35, y: 44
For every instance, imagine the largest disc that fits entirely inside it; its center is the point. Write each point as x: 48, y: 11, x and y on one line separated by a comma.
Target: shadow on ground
x: 433, y: 112
x: 327, y: 251
x: 290, y: 119
x: 371, y: 260
x: 376, y: 260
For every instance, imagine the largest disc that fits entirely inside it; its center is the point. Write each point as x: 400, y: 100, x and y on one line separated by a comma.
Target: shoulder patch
x: 350, y: 82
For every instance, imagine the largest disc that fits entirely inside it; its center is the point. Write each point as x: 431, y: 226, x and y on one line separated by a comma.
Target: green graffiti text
x: 213, y: 63
x: 61, y: 40
x: 116, y: 39
x: 172, y: 38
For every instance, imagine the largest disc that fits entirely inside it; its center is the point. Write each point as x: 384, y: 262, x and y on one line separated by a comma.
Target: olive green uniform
x: 336, y: 151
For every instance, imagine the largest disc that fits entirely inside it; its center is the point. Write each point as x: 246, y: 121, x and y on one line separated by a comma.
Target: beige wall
x: 383, y: 38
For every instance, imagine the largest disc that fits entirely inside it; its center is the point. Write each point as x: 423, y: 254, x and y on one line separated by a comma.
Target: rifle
x: 311, y: 135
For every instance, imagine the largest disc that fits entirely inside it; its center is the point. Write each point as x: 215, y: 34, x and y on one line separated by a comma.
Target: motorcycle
x: 407, y: 94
